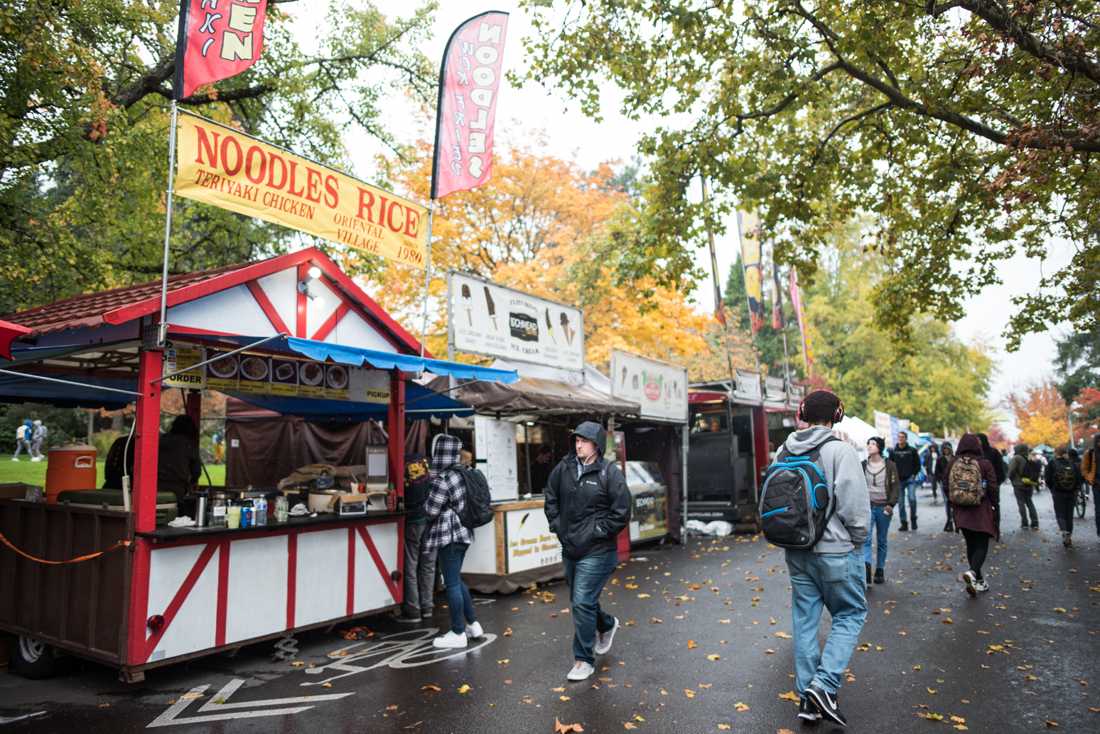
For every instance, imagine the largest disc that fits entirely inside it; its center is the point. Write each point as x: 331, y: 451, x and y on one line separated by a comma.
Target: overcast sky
x: 530, y: 110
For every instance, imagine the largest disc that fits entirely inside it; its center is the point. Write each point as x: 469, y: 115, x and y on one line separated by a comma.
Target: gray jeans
x: 419, y: 572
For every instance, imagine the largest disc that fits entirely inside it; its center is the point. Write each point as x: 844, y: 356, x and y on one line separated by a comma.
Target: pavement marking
x: 410, y: 649
x: 217, y: 709
x: 13, y: 719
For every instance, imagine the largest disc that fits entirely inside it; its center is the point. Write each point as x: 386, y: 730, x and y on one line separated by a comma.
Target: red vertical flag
x: 217, y: 39
x: 469, y: 78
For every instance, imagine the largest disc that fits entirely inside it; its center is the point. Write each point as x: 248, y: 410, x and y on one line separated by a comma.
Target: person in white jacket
x: 829, y: 575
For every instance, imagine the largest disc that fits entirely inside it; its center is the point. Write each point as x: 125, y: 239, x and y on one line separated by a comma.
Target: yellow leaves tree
x: 535, y: 227
x: 1041, y: 415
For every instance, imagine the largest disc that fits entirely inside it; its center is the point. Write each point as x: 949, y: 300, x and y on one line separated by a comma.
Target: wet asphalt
x: 704, y: 648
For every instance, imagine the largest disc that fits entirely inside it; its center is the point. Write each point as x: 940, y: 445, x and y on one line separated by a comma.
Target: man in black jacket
x: 588, y: 505
x: 907, y: 460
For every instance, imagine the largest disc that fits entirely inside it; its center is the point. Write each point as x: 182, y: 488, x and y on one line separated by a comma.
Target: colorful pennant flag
x: 749, y: 227
x: 469, y: 78
x: 217, y: 39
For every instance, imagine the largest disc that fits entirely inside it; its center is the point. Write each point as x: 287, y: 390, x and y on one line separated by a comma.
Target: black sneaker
x: 904, y: 527
x: 880, y: 576
x: 949, y: 527
x: 807, y: 711
x: 826, y: 703
x: 868, y: 567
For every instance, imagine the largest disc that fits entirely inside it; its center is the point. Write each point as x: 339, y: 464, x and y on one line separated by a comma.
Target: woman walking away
x: 445, y: 502
x: 882, y: 486
x: 946, y: 454
x: 1064, y: 478
x: 970, y: 481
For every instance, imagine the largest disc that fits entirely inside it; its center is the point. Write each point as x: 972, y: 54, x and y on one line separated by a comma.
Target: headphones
x: 838, y: 416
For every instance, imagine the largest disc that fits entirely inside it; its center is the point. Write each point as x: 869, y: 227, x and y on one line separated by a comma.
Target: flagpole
x: 162, y: 328
x: 427, y: 277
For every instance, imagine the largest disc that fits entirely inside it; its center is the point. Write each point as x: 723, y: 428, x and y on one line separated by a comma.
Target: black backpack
x: 478, y: 509
x: 796, y: 501
x: 1065, y: 476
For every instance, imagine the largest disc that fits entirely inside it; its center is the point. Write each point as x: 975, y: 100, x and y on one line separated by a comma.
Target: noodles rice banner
x: 226, y: 168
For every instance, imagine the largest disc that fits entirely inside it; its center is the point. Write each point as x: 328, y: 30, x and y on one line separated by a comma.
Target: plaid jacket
x: 447, y: 496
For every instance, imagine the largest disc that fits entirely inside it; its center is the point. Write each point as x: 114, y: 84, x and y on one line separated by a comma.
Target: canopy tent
x: 856, y: 430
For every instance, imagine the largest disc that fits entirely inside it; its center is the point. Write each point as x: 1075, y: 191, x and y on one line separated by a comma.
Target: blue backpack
x: 796, y: 501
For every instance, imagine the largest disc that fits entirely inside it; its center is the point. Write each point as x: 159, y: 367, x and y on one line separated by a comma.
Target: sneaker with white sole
x: 473, y: 631
x: 807, y: 710
x: 581, y: 671
x: 981, y: 585
x: 604, y: 639
x: 450, y: 641
x: 971, y: 581
x: 826, y: 703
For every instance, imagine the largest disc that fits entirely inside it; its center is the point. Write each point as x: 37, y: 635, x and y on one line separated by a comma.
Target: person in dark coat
x: 999, y: 467
x: 1064, y: 479
x: 946, y: 454
x: 977, y: 523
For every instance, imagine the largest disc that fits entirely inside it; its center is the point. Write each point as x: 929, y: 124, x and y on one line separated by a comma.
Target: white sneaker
x: 14, y: 459
x: 473, y: 631
x: 450, y: 641
x: 971, y: 582
x: 604, y: 639
x: 581, y: 671
x: 981, y: 585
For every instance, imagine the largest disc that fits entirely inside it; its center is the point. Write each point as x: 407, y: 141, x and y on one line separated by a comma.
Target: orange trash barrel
x: 69, y: 468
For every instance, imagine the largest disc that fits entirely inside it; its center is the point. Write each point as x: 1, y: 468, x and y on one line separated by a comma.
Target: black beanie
x: 880, y: 442
x: 820, y: 406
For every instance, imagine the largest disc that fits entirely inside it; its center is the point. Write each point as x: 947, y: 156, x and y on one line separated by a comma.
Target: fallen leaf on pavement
x: 692, y: 644
x: 714, y: 658
x: 507, y: 632
x: 740, y: 707
x: 689, y: 693
x: 560, y: 728
x: 628, y: 725
x: 783, y: 635
x: 464, y: 688
x: 789, y: 696
x: 1051, y: 724
x: 431, y: 687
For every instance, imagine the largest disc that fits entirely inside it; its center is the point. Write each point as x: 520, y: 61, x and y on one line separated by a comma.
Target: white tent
x: 856, y: 432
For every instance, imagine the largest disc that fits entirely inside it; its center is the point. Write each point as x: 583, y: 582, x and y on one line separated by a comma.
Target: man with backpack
x: 907, y: 460
x: 457, y: 503
x: 822, y: 542
x: 1024, y: 474
x: 587, y: 506
x: 1063, y: 477
x: 419, y: 577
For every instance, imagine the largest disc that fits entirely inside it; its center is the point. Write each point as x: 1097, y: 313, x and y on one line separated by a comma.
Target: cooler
x: 69, y: 468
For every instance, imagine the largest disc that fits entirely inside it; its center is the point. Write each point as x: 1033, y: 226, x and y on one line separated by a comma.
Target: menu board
x: 748, y: 388
x: 530, y: 542
x: 264, y: 375
x: 661, y: 389
x: 182, y: 357
x: 486, y: 318
x: 495, y: 448
x: 775, y: 391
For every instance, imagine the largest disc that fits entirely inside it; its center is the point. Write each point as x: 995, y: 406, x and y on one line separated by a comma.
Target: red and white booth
x: 148, y: 594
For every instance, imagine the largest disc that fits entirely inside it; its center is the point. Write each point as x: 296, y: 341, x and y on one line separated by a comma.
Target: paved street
x: 705, y: 649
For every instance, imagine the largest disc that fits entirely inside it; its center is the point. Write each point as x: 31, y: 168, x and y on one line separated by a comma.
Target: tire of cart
x: 32, y: 658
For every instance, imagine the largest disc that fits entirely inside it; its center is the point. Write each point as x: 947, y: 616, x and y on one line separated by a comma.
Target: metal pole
x: 162, y: 327
x: 427, y: 277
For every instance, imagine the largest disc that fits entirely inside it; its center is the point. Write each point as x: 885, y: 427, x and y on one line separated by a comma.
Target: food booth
x: 110, y: 580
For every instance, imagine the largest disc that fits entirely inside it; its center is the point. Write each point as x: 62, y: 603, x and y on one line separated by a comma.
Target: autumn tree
x: 1041, y: 415
x: 965, y: 129
x: 939, y: 382
x: 84, y: 91
x: 1086, y: 414
x: 1077, y: 361
x: 543, y: 226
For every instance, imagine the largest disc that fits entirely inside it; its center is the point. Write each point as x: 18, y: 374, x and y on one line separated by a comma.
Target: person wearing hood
x: 587, y: 506
x: 977, y: 523
x: 1064, y: 479
x: 1090, y: 470
x: 38, y: 437
x: 946, y: 454
x: 1023, y: 486
x: 450, y: 539
x: 993, y: 456
x: 829, y: 575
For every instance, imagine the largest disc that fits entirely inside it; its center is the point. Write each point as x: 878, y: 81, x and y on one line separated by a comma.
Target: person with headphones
x: 829, y: 575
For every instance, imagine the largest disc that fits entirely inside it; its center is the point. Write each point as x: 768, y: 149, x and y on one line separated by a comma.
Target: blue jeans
x: 908, y: 489
x: 833, y: 581
x: 586, y: 579
x: 880, y: 526
x: 459, y: 603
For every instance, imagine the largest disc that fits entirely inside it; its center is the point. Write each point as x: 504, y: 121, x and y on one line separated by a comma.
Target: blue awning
x: 358, y: 357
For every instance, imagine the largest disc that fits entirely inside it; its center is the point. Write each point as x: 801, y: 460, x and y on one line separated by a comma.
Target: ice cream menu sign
x: 489, y: 319
x: 661, y: 389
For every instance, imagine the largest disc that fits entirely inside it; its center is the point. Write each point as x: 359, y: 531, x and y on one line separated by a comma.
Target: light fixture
x: 308, y: 284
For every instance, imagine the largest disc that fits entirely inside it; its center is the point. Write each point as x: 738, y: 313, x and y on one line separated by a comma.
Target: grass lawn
x: 35, y: 472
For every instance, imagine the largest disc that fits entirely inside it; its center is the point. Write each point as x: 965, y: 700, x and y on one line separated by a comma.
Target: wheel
x: 33, y: 658
x: 1082, y: 501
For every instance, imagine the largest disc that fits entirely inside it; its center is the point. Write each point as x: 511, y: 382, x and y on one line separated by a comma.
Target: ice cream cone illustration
x: 567, y: 328
x: 624, y: 376
x: 491, y: 307
x: 466, y: 302
x: 550, y: 326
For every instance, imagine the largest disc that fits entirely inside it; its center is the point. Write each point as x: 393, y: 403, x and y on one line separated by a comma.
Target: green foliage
x: 65, y: 425
x: 963, y: 129
x: 937, y: 382
x: 1077, y: 364
x: 84, y: 92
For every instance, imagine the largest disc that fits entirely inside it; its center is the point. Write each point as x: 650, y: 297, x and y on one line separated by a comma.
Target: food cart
x: 292, y: 334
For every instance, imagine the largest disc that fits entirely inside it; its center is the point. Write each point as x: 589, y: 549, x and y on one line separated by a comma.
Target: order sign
x: 224, y: 167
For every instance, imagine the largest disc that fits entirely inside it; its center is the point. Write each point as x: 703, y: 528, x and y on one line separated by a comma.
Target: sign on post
x: 660, y: 388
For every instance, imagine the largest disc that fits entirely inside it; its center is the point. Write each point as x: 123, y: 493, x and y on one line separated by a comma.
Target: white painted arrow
x: 217, y: 709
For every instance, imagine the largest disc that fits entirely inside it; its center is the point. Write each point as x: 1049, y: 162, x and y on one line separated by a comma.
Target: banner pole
x: 162, y: 327
x: 427, y: 278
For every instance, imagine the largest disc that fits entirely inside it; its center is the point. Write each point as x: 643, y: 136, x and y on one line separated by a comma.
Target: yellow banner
x: 224, y: 167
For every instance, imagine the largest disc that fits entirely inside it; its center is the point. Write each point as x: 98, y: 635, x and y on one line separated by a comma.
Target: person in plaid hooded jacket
x: 446, y: 533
